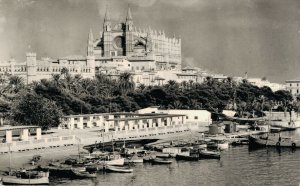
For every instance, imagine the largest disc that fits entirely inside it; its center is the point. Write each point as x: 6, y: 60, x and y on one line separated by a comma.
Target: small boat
x: 273, y: 140
x: 118, y: 169
x: 163, y: 155
x: 223, y: 145
x: 27, y: 178
x: 134, y: 159
x: 149, y: 158
x: 185, y: 157
x: 114, y: 159
x: 206, y: 154
x: 240, y: 142
x: 82, y: 173
x: 161, y: 161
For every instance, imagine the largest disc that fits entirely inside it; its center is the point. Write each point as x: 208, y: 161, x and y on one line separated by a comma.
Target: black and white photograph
x: 150, y: 92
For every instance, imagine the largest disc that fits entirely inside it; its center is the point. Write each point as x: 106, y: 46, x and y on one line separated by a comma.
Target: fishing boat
x: 134, y: 159
x: 163, y: 155
x: 114, y: 159
x: 242, y: 141
x: 206, y: 154
x: 161, y: 161
x: 273, y: 140
x: 193, y: 157
x: 27, y: 178
x: 118, y: 169
x: 82, y: 173
x: 222, y: 145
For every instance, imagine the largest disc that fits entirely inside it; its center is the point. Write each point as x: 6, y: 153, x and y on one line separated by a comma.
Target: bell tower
x: 90, y: 59
x: 129, y: 33
x: 107, y: 36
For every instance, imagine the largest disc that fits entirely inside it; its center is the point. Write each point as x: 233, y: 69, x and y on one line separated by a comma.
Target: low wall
x: 18, y: 146
x: 146, y: 133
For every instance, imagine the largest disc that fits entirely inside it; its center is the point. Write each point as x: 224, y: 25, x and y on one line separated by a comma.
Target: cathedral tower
x: 129, y: 33
x: 90, y: 59
x: 31, y: 67
x: 107, y: 36
x: 90, y: 46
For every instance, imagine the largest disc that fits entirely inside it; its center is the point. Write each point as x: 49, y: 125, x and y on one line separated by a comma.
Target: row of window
x: 196, y: 117
x: 292, y: 84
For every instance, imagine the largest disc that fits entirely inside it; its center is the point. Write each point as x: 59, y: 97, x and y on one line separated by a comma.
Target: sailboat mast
x: 9, y: 159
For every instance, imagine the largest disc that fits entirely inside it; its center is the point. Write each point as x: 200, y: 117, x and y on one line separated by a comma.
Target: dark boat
x: 240, y: 142
x: 193, y: 157
x: 272, y: 140
x: 205, y: 154
x: 82, y: 173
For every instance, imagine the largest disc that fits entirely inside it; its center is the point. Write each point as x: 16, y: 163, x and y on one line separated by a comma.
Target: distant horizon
x: 228, y: 37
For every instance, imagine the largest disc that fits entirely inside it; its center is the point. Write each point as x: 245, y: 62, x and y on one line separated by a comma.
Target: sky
x: 260, y: 37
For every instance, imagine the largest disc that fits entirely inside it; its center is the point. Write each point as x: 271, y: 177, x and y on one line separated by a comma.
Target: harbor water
x: 237, y: 166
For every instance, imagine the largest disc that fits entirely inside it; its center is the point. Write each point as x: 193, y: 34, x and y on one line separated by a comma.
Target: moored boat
x: 206, y: 154
x: 27, y: 178
x: 161, y: 161
x: 273, y: 140
x: 187, y: 157
x: 82, y: 173
x: 118, y: 169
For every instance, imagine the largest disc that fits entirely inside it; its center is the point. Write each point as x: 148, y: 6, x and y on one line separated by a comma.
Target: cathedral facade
x: 145, y: 49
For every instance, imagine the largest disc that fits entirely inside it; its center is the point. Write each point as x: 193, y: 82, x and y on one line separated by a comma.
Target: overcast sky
x: 261, y: 37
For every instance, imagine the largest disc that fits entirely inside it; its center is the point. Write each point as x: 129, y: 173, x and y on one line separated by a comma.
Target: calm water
x: 238, y: 166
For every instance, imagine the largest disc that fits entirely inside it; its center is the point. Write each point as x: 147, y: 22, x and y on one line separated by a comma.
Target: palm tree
x: 15, y: 84
x: 64, y: 72
x: 126, y: 83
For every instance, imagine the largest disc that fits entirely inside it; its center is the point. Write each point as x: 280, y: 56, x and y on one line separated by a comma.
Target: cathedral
x: 147, y: 54
x: 145, y: 49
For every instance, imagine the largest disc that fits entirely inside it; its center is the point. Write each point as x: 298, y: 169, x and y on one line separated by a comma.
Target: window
x: 290, y: 84
x: 297, y: 84
x: 196, y: 117
x: 187, y: 117
x: 297, y: 91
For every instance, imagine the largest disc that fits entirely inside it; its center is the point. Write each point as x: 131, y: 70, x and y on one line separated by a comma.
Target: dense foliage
x: 75, y: 95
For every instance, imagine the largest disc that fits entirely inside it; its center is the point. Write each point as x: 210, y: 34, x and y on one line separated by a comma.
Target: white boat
x: 118, y: 162
x: 114, y: 159
x: 134, y: 159
x: 118, y: 169
x: 223, y: 145
x: 27, y: 178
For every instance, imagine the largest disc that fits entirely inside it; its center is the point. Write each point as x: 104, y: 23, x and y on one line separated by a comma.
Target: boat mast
x: 9, y: 146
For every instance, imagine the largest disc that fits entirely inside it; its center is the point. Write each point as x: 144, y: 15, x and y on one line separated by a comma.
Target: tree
x: 33, y: 109
x: 15, y: 84
x: 126, y: 83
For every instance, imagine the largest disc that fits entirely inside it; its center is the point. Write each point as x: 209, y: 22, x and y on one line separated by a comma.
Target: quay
x: 148, y: 123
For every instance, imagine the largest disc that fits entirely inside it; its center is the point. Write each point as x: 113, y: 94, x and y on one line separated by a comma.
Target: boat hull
x: 186, y: 157
x: 209, y: 155
x: 11, y: 180
x: 118, y: 169
x: 259, y: 141
x: 161, y: 161
x: 116, y: 162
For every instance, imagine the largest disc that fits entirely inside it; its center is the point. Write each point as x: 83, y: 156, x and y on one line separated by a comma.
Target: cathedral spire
x: 128, y: 17
x: 107, y: 23
x: 91, y: 37
x: 106, y: 17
